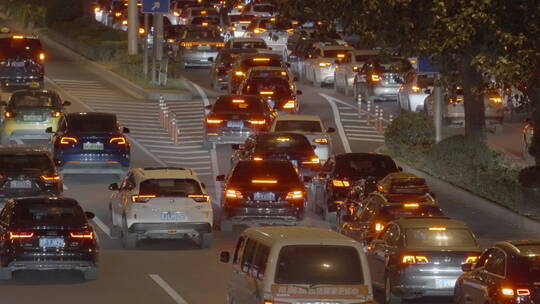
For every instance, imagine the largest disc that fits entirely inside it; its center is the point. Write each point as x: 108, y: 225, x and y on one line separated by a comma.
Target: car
x: 28, y: 113
x: 275, y: 31
x: 528, y: 132
x: 177, y: 7
x: 262, y: 9
x: 246, y: 43
x: 232, y: 118
x: 23, y: 62
x: 161, y: 203
x: 90, y: 142
x: 222, y: 65
x: 261, y: 192
x: 212, y: 21
x: 414, y: 90
x: 415, y: 257
x: 364, y: 221
x: 191, y: 12
x: 27, y: 171
x: 341, y: 171
x: 271, y: 72
x: 379, y: 78
x: 321, y: 63
x: 293, y: 147
x: 347, y: 68
x: 454, y: 108
x: 243, y: 63
x: 300, y: 51
x: 312, y: 127
x: 237, y: 25
x: 507, y: 272
x: 279, y: 92
x: 196, y: 46
x: 297, y: 265
x: 46, y: 233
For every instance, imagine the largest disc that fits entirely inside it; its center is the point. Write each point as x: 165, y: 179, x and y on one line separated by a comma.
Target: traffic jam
x: 389, y: 239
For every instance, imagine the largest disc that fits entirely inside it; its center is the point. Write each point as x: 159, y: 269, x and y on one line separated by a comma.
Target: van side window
x: 249, y: 252
x: 237, y: 251
x: 259, y: 262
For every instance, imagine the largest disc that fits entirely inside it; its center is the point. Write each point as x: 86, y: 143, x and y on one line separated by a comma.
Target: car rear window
x: 276, y: 86
x: 298, y: 126
x: 525, y: 269
x: 334, y: 53
x: 316, y: 264
x: 33, y: 101
x: 268, y: 73
x: 264, y: 8
x: 282, y: 172
x: 238, y: 105
x: 249, y: 45
x: 92, y: 123
x: 170, y: 187
x: 48, y: 213
x: 10, y: 48
x: 200, y: 34
x: 279, y: 24
x: 239, y: 18
x: 362, y: 166
x: 248, y: 63
x: 393, y: 65
x: 451, y: 237
x: 282, y: 143
x: 28, y: 162
x: 390, y: 213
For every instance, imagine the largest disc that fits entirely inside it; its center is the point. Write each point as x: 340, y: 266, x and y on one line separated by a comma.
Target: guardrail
x: 373, y: 115
x: 168, y: 121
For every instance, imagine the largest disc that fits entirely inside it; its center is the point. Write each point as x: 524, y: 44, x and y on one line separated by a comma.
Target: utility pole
x: 145, y: 44
x: 133, y: 27
x: 438, y: 108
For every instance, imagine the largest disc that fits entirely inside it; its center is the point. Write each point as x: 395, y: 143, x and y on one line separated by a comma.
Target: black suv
x: 269, y: 192
x: 21, y: 62
x: 45, y: 234
x: 27, y: 171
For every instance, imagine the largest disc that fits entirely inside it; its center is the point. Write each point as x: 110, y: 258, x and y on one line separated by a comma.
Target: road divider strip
x: 337, y: 118
x: 168, y: 289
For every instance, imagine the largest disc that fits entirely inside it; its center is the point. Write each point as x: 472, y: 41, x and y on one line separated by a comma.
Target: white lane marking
x: 349, y: 120
x: 213, y: 154
x: 102, y: 226
x: 182, y: 152
x: 168, y: 289
x: 341, y: 131
x: 366, y: 139
x: 76, y: 81
x: 349, y: 114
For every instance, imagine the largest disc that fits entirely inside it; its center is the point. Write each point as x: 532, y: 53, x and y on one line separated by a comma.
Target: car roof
x: 35, y: 92
x: 347, y: 156
x: 294, y: 234
x: 24, y: 149
x: 304, y: 117
x: 512, y: 246
x: 165, y: 172
x: 269, y: 55
x: 424, y: 222
x: 295, y: 136
x: 89, y: 114
x: 46, y: 199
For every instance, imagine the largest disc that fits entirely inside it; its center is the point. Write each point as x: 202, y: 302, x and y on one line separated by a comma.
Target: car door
x: 236, y: 274
x: 246, y: 289
x: 378, y: 255
x: 482, y: 280
x: 321, y: 180
x: 257, y: 271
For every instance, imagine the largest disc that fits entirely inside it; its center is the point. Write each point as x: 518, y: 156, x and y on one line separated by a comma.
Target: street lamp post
x: 133, y: 27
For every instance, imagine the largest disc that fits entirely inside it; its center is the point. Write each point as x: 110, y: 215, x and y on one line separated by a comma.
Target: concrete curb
x: 117, y: 80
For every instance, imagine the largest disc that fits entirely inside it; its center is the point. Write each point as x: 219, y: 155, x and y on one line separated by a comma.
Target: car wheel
x: 6, y: 274
x: 389, y: 296
x: 205, y: 240
x: 90, y: 274
x: 129, y: 240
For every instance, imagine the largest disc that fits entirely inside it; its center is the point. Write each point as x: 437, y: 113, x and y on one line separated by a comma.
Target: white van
x: 290, y: 265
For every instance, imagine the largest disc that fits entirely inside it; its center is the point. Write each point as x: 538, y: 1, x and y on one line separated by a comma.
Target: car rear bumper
x: 415, y: 286
x: 198, y: 58
x: 104, y: 163
x: 385, y: 92
x: 274, y: 216
x: 170, y: 230
x: 52, y: 265
x: 417, y: 101
x: 227, y: 137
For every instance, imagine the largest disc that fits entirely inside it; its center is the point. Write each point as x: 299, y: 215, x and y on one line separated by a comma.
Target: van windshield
x: 316, y: 264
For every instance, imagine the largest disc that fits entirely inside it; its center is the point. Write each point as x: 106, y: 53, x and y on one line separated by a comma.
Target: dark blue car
x: 91, y: 143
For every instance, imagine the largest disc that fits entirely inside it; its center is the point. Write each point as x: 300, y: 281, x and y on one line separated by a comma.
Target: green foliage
x: 530, y: 177
x: 63, y: 10
x: 410, y: 133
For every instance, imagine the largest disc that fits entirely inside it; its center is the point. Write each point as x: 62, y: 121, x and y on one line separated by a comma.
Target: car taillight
x: 120, y: 140
x: 379, y: 227
x: 312, y: 161
x: 291, y: 104
x: 56, y: 113
x: 258, y: 158
x: 510, y: 292
x: 259, y: 30
x: 66, y: 140
x: 20, y: 235
x: 322, y: 141
x: 495, y: 100
x: 471, y: 259
x: 340, y: 183
x: 89, y: 235
x: 42, y: 56
x: 375, y: 77
x: 141, y: 198
x: 294, y: 195
x: 54, y: 178
x: 200, y: 198
x: 239, y: 73
x: 415, y: 88
x: 9, y: 114
x: 324, y: 64
x: 213, y: 121
x: 230, y: 193
x: 257, y: 121
x: 274, y: 302
x: 414, y: 259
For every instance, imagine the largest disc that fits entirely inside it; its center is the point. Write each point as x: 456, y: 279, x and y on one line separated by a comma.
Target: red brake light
x: 82, y: 235
x: 65, y: 140
x: 412, y: 259
x: 200, y: 198
x: 233, y: 194
x: 141, y: 198
x: 257, y: 121
x: 20, y: 235
x: 121, y: 140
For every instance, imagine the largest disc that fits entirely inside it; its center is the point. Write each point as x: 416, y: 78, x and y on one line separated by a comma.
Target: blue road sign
x: 156, y: 6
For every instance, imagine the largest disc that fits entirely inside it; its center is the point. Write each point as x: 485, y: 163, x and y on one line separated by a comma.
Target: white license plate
x: 445, y: 283
x: 32, y: 117
x: 93, y: 146
x: 16, y: 184
x: 235, y: 123
x: 17, y: 64
x: 204, y: 47
x: 51, y: 242
x: 173, y: 216
x: 264, y: 196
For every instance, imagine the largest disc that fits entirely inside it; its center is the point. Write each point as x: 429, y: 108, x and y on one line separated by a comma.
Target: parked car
x: 347, y: 68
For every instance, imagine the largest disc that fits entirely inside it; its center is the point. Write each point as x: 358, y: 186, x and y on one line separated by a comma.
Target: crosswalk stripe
x: 366, y: 139
x: 367, y: 135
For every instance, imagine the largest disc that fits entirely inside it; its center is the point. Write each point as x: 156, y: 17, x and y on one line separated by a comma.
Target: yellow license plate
x: 34, y: 84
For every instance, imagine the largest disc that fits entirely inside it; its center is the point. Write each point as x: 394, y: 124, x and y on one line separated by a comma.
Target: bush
x: 410, y: 135
x: 63, y: 10
x: 530, y: 177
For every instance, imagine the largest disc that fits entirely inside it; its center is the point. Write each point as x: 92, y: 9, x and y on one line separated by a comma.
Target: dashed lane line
x: 168, y: 289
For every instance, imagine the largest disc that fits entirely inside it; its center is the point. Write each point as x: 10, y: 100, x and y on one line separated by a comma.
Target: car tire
x: 90, y: 274
x: 129, y: 240
x: 6, y: 274
x: 389, y: 296
x: 205, y: 240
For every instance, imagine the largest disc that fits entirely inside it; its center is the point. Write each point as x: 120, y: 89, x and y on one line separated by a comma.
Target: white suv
x: 161, y: 203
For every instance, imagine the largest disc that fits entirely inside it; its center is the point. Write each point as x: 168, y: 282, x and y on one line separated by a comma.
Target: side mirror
x: 225, y: 257
x: 125, y: 130
x: 49, y: 130
x: 208, y: 107
x: 89, y: 215
x: 236, y: 146
x: 113, y: 187
x: 203, y: 185
x: 466, y: 267
x: 427, y: 91
x: 400, y: 169
x: 330, y: 130
x: 220, y: 178
x: 298, y: 92
x: 307, y: 179
x: 295, y: 78
x: 66, y: 103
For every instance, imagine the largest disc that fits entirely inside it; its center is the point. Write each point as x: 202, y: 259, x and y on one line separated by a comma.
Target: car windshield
x: 33, y: 101
x: 282, y: 172
x: 169, y: 187
x: 249, y: 45
x: 49, y: 213
x: 283, y: 144
x: 238, y: 105
x: 334, y: 53
x: 92, y: 124
x: 392, y: 65
x: 308, y: 126
x: 279, y: 24
x: 200, y: 34
x: 28, y: 162
x: 318, y: 264
x: 439, y: 237
x: 24, y: 48
x: 276, y: 87
x: 365, y: 166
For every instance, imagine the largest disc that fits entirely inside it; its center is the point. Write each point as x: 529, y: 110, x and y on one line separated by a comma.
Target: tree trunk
x: 534, y: 95
x: 473, y: 98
